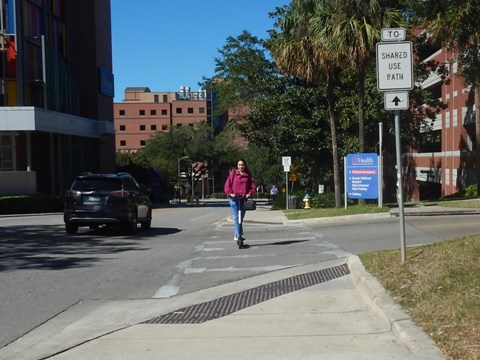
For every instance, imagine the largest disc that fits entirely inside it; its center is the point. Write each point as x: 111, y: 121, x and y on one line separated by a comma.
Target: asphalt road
x: 45, y: 271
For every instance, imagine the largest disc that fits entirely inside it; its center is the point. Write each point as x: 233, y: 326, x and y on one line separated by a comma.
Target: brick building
x: 446, y: 164
x: 143, y: 113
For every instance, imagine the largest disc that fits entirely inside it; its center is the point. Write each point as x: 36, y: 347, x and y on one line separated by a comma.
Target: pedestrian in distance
x: 239, y: 187
x: 273, y: 193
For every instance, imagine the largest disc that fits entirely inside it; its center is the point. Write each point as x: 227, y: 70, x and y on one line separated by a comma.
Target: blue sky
x: 164, y: 44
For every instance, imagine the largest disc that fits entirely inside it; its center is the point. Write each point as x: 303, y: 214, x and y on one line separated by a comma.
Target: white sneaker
x: 235, y: 238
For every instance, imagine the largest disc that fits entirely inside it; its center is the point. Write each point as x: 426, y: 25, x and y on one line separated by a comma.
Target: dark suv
x: 106, y: 199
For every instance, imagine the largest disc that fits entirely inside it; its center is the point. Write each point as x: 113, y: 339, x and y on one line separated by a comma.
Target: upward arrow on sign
x: 396, y: 100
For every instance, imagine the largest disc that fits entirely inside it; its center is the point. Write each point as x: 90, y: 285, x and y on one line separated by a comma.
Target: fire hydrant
x: 307, y: 200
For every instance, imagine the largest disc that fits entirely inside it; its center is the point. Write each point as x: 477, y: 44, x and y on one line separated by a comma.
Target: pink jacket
x: 240, y: 184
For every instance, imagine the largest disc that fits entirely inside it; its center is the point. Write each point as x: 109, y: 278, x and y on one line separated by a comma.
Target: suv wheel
x: 133, y: 223
x: 71, y: 228
x: 147, y: 224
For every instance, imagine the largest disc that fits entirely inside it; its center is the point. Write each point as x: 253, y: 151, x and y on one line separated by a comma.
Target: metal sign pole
x: 286, y: 190
x: 400, y: 185
x: 380, y: 165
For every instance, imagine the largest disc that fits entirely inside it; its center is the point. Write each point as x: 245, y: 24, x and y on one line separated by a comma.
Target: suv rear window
x: 96, y: 184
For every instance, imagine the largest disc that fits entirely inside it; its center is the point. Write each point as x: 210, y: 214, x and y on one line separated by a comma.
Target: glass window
x: 164, y: 112
x: 121, y: 112
x: 142, y: 112
x: 201, y: 110
x: 178, y: 110
x: 123, y: 143
x: 164, y: 127
x: 142, y: 142
x: 6, y: 152
x: 153, y: 112
x: 153, y: 127
x: 156, y: 98
x: 190, y: 110
x: 165, y: 98
x: 122, y: 127
x: 142, y: 127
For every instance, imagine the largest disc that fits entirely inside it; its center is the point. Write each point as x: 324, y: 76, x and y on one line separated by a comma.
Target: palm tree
x: 297, y: 51
x: 356, y: 29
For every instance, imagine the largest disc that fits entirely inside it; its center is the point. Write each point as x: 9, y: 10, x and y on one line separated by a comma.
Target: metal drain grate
x: 226, y: 305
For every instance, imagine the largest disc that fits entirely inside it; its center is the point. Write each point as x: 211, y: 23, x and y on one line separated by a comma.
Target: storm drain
x: 226, y: 305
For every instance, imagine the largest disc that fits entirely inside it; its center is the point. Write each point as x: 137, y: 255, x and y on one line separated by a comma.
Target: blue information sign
x: 362, y: 176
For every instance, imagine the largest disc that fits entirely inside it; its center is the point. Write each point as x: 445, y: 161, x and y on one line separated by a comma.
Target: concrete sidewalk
x: 329, y: 310
x: 349, y: 317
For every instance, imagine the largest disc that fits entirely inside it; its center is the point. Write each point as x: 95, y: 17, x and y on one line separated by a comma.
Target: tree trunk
x: 361, y: 116
x: 333, y: 134
x: 361, y: 111
x: 477, y: 137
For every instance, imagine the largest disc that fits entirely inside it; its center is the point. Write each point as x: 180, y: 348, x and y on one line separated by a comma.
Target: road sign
x: 362, y: 176
x: 394, y: 34
x: 286, y: 161
x: 394, y: 66
x: 396, y: 100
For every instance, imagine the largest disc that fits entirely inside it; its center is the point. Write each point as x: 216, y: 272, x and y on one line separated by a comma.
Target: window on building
x: 153, y: 127
x: 190, y: 124
x: 142, y: 127
x: 6, y: 152
x: 121, y: 112
x: 178, y: 110
x: 142, y: 112
x: 153, y: 112
x: 165, y: 98
x: 123, y: 143
x: 164, y: 112
x: 190, y: 110
x: 156, y: 98
x: 143, y: 142
x: 431, y: 141
x: 164, y: 127
x: 201, y: 110
x: 178, y: 125
x: 123, y: 128
x: 436, y: 90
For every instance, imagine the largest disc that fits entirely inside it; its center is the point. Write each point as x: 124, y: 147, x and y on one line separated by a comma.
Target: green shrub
x: 324, y: 201
x: 30, y: 204
x: 471, y: 191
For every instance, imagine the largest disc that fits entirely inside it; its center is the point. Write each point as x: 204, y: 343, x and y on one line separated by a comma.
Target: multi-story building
x: 56, y: 93
x: 446, y: 164
x: 142, y: 114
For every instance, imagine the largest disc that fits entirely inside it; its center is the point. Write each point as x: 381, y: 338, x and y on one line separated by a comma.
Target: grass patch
x: 468, y: 204
x: 329, y: 212
x: 439, y: 286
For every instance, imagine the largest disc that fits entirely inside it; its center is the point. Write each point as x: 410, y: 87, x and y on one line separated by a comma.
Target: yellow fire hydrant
x: 307, y: 200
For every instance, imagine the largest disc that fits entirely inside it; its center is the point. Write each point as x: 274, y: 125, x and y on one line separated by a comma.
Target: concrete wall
x: 18, y: 183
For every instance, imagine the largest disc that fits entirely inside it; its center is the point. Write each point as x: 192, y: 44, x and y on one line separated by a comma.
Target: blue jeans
x: 235, y: 204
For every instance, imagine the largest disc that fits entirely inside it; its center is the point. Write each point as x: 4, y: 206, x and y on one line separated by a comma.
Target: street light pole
x: 192, y: 184
x: 178, y: 170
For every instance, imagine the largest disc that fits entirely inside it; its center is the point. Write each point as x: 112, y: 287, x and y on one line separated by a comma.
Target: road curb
x: 402, y: 325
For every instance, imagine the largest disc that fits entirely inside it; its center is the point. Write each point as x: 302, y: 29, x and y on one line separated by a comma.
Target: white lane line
x: 234, y: 269
x: 200, y: 217
x: 171, y: 288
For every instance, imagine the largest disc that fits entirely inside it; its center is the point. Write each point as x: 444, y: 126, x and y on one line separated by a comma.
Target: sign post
x: 394, y: 73
x: 286, y: 161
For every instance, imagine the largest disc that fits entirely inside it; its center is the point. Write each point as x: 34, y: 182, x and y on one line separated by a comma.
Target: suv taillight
x: 72, y: 193
x: 119, y: 193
